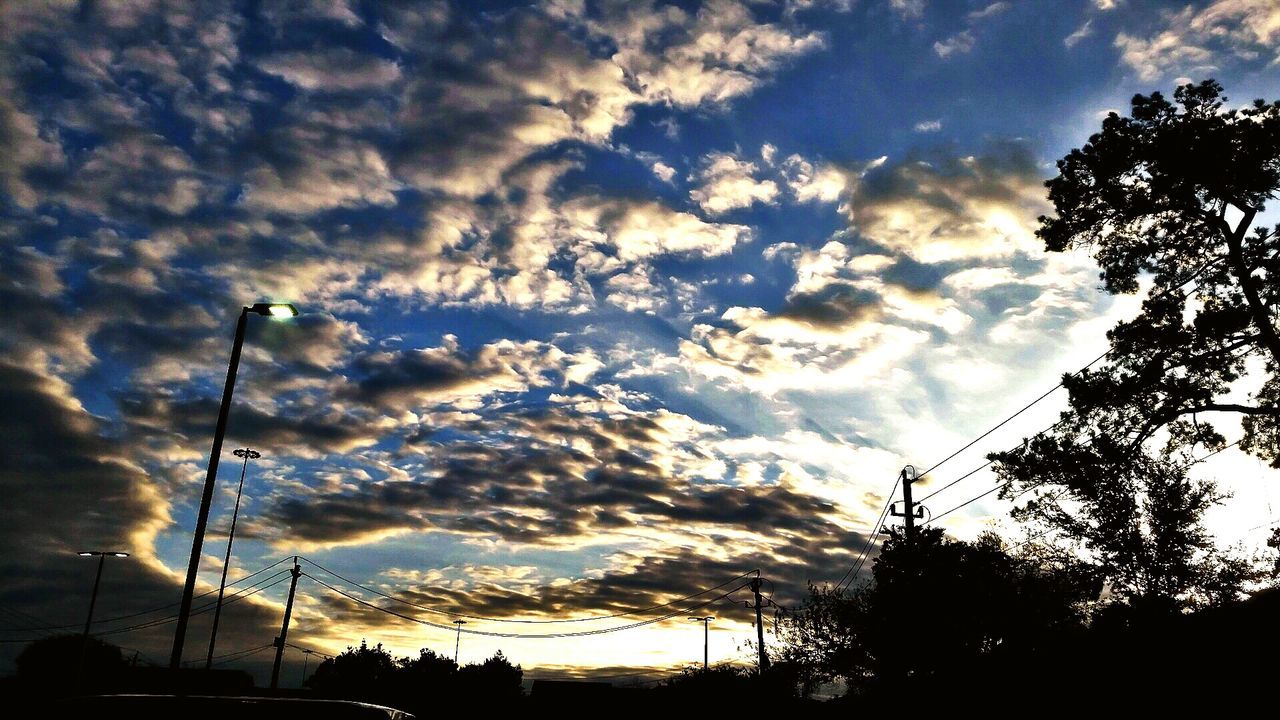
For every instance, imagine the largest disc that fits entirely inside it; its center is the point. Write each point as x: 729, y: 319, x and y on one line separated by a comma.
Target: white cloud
x: 991, y: 10
x: 959, y: 43
x: 637, y: 230
x: 333, y: 69
x: 726, y: 182
x: 1198, y: 39
x: 809, y: 182
x: 1080, y: 33
x: 925, y: 126
x: 908, y: 8
x: 960, y: 208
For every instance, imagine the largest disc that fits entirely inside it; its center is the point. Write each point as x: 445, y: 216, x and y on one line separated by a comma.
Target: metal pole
x: 202, y: 518
x: 306, y: 658
x: 284, y: 626
x: 93, y: 600
x: 706, y: 638
x: 246, y: 453
x: 706, y: 642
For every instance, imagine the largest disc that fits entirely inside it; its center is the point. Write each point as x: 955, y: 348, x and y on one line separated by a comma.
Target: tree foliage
x: 934, y: 604
x: 372, y: 674
x: 1151, y: 196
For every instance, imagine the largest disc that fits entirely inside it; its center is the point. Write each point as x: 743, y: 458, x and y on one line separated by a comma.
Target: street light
x: 277, y: 310
x: 247, y: 454
x: 102, y: 556
x: 306, y: 658
x: 706, y: 637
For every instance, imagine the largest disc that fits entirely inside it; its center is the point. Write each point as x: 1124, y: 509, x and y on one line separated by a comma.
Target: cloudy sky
x: 603, y: 304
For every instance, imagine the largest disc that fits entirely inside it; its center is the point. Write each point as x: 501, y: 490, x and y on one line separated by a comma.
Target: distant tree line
x: 416, y: 684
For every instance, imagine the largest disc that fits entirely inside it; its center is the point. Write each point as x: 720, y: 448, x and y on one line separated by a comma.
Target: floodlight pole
x: 247, y: 454
x: 210, y: 480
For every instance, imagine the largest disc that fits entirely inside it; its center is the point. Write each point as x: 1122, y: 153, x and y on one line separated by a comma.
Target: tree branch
x: 1261, y: 317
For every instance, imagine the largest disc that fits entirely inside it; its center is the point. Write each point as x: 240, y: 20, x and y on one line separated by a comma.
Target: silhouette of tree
x: 494, y: 680
x: 934, y: 604
x: 364, y: 673
x: 372, y: 674
x: 1149, y: 196
x: 824, y: 640
x: 50, y: 665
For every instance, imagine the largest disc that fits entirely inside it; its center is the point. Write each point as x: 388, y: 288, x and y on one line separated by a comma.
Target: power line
x: 103, y: 621
x: 1195, y: 461
x: 852, y: 573
x: 440, y: 611
x: 1051, y: 390
x: 538, y: 636
x: 326, y: 656
x: 231, y: 599
x: 232, y: 657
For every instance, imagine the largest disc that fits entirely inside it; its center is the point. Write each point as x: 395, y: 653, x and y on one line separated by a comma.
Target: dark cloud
x: 79, y: 490
x: 536, y: 483
x: 834, y: 306
x: 297, y: 430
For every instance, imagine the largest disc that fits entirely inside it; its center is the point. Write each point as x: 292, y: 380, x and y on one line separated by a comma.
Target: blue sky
x: 603, y: 303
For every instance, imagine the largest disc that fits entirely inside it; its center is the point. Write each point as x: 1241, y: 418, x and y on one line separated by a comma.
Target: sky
x: 602, y: 304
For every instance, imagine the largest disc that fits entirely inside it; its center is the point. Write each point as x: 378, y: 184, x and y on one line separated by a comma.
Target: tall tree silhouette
x: 1151, y: 196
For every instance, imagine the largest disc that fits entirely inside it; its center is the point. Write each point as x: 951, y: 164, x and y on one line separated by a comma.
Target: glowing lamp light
x: 275, y: 310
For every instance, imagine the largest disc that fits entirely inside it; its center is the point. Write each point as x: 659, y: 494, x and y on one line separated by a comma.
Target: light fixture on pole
x: 102, y: 556
x: 276, y: 310
x: 248, y: 454
x: 706, y: 638
x: 306, y: 658
x: 457, y: 641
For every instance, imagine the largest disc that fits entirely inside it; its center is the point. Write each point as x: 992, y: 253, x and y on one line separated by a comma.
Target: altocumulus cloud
x: 527, y: 332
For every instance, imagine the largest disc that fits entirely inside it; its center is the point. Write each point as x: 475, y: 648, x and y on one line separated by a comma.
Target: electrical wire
x: 439, y: 611
x: 935, y: 518
x: 162, y: 607
x: 228, y: 600
x: 852, y: 573
x: 1051, y: 390
x: 241, y: 654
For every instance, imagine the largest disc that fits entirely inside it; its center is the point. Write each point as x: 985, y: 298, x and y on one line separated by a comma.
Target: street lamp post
x: 278, y: 310
x: 93, y: 599
x: 247, y: 454
x: 706, y: 638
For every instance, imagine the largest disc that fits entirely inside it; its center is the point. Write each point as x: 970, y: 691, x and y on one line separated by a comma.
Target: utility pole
x: 909, y: 510
x: 764, y: 657
x: 306, y: 658
x: 284, y: 627
x: 457, y: 642
x: 706, y: 639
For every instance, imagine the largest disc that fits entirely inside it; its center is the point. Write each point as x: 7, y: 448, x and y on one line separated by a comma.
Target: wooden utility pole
x: 284, y: 627
x: 764, y: 657
x: 457, y: 642
x: 909, y: 510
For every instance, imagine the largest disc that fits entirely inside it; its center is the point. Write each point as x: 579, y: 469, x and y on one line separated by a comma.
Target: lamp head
x: 275, y: 310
